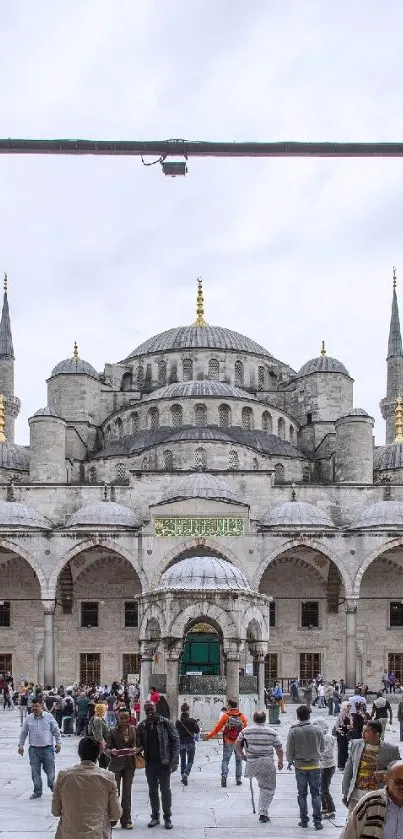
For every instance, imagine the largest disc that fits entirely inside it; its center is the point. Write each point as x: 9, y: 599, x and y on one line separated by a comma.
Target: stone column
x: 49, y: 642
x: 233, y: 675
x: 351, y: 642
x: 146, y: 664
x: 172, y: 676
x: 260, y: 682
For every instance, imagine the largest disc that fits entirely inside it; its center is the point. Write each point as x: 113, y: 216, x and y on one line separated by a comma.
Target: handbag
x: 139, y: 761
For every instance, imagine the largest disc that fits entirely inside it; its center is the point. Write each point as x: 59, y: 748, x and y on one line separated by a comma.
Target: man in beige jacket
x: 86, y: 797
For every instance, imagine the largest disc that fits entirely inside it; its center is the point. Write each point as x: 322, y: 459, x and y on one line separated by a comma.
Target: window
x: 120, y: 472
x: 309, y: 666
x: 238, y: 374
x: 130, y: 664
x: 292, y: 434
x: 306, y: 475
x: 214, y: 368
x: 200, y: 416
x: 272, y: 613
x: 6, y: 662
x: 233, y: 460
x: 224, y: 416
x: 89, y: 613
x: 255, y: 464
x: 281, y: 428
x: 176, y: 416
x: 153, y: 418
x: 144, y: 464
x: 92, y: 475
x: 126, y: 383
x: 90, y: 668
x: 260, y: 378
x: 247, y: 418
x: 395, y: 613
x: 309, y: 418
x: 118, y: 428
x: 200, y: 459
x: 162, y: 372
x: 131, y: 614
x: 267, y: 422
x: 309, y: 614
x: 134, y: 422
x: 278, y: 473
x: 187, y: 367
x: 140, y: 377
x: 5, y: 615
x: 395, y: 665
x: 271, y: 667
x: 168, y: 459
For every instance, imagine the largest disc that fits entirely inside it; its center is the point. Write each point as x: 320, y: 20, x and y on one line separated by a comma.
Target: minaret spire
x: 6, y: 338
x: 200, y: 304
x: 394, y: 361
x: 395, y: 337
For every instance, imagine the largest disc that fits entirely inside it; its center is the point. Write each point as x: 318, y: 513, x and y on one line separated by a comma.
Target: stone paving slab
x: 202, y: 810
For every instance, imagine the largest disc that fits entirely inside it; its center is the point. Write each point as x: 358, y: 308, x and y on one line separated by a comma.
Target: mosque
x: 200, y: 510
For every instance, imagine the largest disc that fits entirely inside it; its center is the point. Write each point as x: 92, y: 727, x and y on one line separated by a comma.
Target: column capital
x: 351, y: 604
x: 146, y: 650
x: 49, y: 607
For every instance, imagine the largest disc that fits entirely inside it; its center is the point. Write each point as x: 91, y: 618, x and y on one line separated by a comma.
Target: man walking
x: 41, y: 729
x: 367, y: 756
x: 400, y: 717
x: 158, y: 739
x: 187, y: 728
x: 381, y: 708
x: 378, y: 814
x: 305, y: 743
x: 256, y: 744
x: 85, y: 797
x: 231, y: 724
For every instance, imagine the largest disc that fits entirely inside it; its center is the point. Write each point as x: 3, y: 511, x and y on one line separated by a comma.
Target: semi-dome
x: 296, y: 514
x: 382, y: 514
x: 14, y: 457
x: 389, y: 457
x: 104, y: 514
x: 200, y: 485
x: 181, y: 390
x: 322, y: 364
x: 204, y: 572
x: 17, y: 514
x: 199, y: 337
x: 46, y: 412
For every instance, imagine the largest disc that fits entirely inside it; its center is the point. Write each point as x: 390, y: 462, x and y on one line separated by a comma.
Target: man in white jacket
x: 327, y: 768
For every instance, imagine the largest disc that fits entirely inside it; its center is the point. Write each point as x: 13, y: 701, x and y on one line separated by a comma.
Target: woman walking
x: 343, y: 727
x: 98, y: 729
x: 121, y: 746
x: 186, y: 727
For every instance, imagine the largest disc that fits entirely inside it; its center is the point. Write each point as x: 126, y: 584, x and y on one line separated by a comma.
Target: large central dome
x: 199, y: 337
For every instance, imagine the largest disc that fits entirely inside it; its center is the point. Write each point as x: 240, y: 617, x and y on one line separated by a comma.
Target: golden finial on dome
x: 2, y: 420
x: 399, y: 420
x: 75, y: 351
x: 323, y: 350
x: 394, y: 278
x: 5, y: 282
x: 200, y: 304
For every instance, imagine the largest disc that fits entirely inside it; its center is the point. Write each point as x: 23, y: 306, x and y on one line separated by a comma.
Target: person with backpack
x: 187, y: 728
x: 231, y: 724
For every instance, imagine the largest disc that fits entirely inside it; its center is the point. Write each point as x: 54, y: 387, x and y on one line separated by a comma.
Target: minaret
x: 200, y: 304
x: 394, y: 360
x: 11, y: 403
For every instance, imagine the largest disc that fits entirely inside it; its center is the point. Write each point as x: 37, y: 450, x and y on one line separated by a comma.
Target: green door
x: 201, y: 654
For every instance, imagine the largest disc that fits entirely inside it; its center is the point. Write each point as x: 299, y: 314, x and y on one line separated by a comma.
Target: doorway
x: 201, y: 652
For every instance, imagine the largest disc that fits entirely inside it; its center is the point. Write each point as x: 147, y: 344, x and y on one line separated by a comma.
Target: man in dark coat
x: 158, y: 739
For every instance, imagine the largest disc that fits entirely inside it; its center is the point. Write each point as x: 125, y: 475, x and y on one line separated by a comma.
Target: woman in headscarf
x: 98, y: 729
x: 343, y: 728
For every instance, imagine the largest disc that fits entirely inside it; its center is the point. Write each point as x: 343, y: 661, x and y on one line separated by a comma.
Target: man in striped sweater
x: 256, y: 744
x: 379, y: 815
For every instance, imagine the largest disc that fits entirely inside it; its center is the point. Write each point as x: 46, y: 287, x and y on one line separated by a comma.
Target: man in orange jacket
x: 231, y: 724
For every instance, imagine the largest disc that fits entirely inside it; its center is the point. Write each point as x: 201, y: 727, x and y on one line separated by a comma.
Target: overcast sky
x: 106, y: 252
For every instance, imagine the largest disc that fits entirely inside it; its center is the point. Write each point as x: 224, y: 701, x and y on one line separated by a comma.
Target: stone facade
x: 200, y: 447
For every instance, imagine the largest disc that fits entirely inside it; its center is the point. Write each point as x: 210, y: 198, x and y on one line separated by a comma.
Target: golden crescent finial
x: 323, y: 350
x: 3, y: 438
x: 399, y: 420
x: 394, y: 278
x: 75, y: 351
x: 200, y: 304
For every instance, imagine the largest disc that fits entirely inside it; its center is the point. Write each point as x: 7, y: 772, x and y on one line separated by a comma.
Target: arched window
x: 134, y: 422
x: 200, y: 416
x: 126, y: 383
x: 120, y: 472
x: 224, y: 416
x: 306, y: 475
x: 267, y: 422
x: 162, y: 372
x: 153, y: 418
x: 118, y: 428
x: 255, y: 464
x: 247, y: 418
x: 233, y: 460
x: 292, y: 434
x: 200, y: 459
x: 140, y: 377
x: 278, y: 473
x: 260, y: 378
x: 281, y: 428
x: 92, y: 475
x: 187, y: 367
x: 213, y: 368
x: 144, y: 464
x: 168, y: 459
x: 238, y: 374
x: 176, y: 416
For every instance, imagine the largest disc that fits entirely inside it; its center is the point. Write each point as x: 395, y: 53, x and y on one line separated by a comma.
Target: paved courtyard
x: 203, y: 810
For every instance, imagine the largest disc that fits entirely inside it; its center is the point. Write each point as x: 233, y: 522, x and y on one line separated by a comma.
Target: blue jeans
x: 42, y: 756
x: 227, y: 750
x: 311, y: 777
x: 187, y: 753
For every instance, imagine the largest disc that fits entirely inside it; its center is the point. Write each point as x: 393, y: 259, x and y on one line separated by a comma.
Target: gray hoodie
x: 305, y: 742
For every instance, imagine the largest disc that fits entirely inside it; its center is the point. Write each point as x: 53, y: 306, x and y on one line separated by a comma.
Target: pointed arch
x: 176, y: 554
x: 372, y: 557
x: 303, y: 542
x: 96, y: 542
x: 204, y: 610
x: 14, y: 548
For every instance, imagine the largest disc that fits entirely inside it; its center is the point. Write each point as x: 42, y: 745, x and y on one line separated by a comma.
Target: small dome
x: 204, y: 572
x: 14, y: 457
x: 200, y: 485
x: 16, y: 514
x: 181, y: 390
x: 322, y: 364
x: 382, y: 514
x: 296, y: 514
x: 356, y: 412
x: 203, y: 337
x: 389, y: 457
x: 76, y: 366
x: 46, y: 412
x: 104, y: 514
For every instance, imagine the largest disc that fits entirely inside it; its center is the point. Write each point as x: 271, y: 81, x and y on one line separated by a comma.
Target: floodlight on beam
x: 173, y: 168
